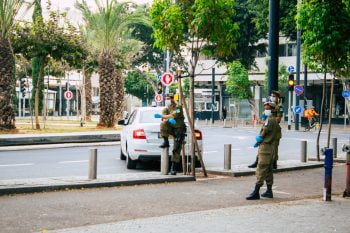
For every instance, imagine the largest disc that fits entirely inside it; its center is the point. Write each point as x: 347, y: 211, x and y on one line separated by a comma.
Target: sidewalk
x: 307, y: 216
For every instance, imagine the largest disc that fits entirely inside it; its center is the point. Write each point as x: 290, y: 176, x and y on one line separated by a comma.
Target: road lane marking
x: 16, y: 165
x: 75, y: 161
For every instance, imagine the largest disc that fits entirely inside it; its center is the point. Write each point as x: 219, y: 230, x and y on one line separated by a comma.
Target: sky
x: 68, y: 6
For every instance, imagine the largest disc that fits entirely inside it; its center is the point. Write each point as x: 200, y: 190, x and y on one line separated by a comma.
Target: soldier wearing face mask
x: 173, y: 123
x: 278, y: 114
x: 264, y: 140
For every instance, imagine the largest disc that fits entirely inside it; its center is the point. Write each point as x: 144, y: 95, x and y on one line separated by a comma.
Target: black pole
x: 212, y: 94
x: 297, y: 100
x: 164, y: 68
x: 305, y: 85
x: 273, y: 45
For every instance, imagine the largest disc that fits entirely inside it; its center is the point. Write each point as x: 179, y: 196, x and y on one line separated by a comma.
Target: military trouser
x: 265, y: 165
x: 167, y: 129
x: 275, y: 146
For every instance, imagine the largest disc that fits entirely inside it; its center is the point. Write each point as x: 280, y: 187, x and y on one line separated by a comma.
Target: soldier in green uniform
x: 173, y: 123
x: 264, y: 172
x: 278, y: 114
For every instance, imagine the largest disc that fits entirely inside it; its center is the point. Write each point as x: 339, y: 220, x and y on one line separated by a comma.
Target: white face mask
x: 267, y: 112
x: 273, y: 99
x: 167, y: 103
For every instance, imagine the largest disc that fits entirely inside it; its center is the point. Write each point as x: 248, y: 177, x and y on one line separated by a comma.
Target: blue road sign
x: 159, y: 77
x: 346, y: 93
x: 290, y: 69
x: 297, y: 109
x: 298, y: 89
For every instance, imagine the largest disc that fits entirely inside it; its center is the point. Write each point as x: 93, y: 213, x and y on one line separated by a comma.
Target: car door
x: 126, y: 131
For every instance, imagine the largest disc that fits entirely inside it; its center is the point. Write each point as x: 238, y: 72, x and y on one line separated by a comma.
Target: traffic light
x: 159, y: 88
x: 22, y: 86
x: 291, y: 82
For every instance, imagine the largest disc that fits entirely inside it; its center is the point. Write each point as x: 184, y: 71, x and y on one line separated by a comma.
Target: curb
x: 58, y: 187
x: 335, y: 160
x: 249, y: 173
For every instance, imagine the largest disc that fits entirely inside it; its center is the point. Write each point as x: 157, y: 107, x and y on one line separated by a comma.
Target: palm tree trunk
x: 7, y: 85
x: 88, y: 100
x: 119, y: 96
x: 107, y: 89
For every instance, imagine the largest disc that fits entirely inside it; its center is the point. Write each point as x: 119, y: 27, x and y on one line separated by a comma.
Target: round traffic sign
x: 297, y: 109
x: 167, y: 79
x: 290, y: 69
x: 298, y: 89
x: 68, y: 95
x: 346, y: 93
x: 158, y: 98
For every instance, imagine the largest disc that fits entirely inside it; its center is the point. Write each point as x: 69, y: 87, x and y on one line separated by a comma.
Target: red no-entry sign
x: 167, y: 79
x: 158, y: 98
x: 68, y: 95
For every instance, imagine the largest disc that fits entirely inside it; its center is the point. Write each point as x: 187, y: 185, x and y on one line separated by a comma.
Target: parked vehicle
x: 140, y: 138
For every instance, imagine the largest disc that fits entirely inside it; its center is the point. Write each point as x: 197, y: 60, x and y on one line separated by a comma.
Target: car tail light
x: 198, y: 134
x: 138, y: 134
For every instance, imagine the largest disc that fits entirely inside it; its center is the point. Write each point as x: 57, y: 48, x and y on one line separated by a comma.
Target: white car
x: 140, y: 138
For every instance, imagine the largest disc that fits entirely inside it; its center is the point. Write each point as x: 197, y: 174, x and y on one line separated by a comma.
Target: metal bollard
x: 303, y: 157
x: 93, y: 164
x: 328, y: 167
x: 164, y: 161
x: 346, y: 148
x: 334, y: 146
x: 227, y: 156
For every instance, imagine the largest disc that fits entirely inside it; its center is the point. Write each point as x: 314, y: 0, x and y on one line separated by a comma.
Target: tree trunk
x: 7, y: 85
x: 119, y: 96
x: 107, y: 89
x: 88, y: 96
x: 321, y: 117
x: 330, y: 113
x: 39, y: 92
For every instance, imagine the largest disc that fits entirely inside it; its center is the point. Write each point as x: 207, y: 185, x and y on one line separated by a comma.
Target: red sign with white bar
x: 167, y: 79
x: 68, y: 95
x: 158, y: 98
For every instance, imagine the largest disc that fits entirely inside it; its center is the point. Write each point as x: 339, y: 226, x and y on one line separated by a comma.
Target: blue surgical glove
x: 256, y: 145
x: 172, y: 121
x: 263, y: 117
x: 157, y: 115
x: 259, y: 139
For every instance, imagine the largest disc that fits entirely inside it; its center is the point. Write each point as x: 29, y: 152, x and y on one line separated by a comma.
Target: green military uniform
x: 177, y: 130
x: 265, y: 152
x: 277, y: 114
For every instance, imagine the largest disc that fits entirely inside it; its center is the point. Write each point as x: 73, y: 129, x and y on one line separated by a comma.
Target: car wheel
x: 122, y: 155
x: 130, y: 164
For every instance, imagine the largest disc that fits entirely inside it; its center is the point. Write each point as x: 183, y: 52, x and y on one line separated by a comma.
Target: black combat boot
x: 274, y: 166
x: 255, y: 194
x: 268, y: 192
x: 173, y: 169
x: 255, y: 164
x: 165, y: 143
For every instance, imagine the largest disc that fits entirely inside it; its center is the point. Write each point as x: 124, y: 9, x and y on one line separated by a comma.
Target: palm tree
x: 8, y: 11
x: 104, y: 30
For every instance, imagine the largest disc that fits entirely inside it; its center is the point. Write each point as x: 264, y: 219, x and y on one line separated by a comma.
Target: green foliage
x: 237, y: 84
x: 136, y: 85
x: 326, y: 34
x: 288, y: 11
x: 200, y: 21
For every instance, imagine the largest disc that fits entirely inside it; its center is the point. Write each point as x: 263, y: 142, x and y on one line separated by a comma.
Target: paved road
x: 74, y: 208
x: 74, y: 161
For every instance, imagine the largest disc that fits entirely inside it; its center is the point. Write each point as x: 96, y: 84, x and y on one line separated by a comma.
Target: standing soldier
x: 268, y: 134
x: 173, y: 123
x: 278, y: 114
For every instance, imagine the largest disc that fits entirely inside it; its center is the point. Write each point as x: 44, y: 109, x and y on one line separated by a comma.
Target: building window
x: 95, y: 91
x: 292, y: 50
x: 282, y: 50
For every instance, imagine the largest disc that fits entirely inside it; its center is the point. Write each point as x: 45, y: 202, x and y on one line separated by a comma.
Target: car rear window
x: 148, y: 116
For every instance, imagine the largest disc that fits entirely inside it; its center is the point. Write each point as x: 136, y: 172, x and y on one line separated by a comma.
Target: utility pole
x: 68, y: 102
x: 273, y: 45
x: 212, y: 94
x: 297, y: 102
